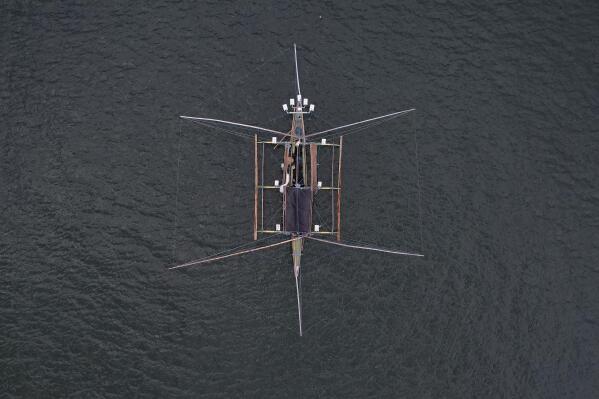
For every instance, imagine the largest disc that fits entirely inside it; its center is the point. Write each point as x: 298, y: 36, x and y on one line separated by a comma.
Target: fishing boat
x: 299, y: 185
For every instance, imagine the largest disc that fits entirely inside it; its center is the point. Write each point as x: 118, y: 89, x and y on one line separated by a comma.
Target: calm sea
x: 493, y: 178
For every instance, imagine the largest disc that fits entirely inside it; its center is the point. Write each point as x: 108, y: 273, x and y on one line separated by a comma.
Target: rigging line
x: 174, y: 255
x: 229, y: 131
x: 360, y: 128
x: 269, y: 257
x: 320, y: 218
x: 197, y: 118
x: 418, y: 183
x: 389, y: 251
x: 212, y: 259
x: 318, y: 118
x: 233, y: 132
x: 247, y: 244
x: 274, y: 257
x: 299, y: 306
x: 357, y: 126
x: 359, y: 243
x: 283, y: 141
x: 327, y: 255
x: 275, y: 214
x: 271, y: 218
x: 354, y: 130
x: 386, y: 117
x: 239, y: 247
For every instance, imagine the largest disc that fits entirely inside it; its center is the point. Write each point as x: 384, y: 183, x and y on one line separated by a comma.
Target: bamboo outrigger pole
x: 339, y: 190
x: 263, y: 129
x: 246, y: 251
x: 382, y: 117
x: 255, y: 187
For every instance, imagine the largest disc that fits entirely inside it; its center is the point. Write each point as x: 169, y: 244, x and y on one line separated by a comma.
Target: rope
x: 383, y: 117
x: 239, y: 247
x: 174, y: 255
x: 418, y: 184
x: 233, y: 132
x: 341, y: 244
x: 215, y: 258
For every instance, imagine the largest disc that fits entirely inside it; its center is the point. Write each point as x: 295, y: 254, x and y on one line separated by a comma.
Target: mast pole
x: 255, y: 187
x: 296, y: 70
x: 299, y: 306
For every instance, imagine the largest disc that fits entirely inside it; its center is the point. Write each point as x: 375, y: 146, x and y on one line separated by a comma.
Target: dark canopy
x: 298, y: 210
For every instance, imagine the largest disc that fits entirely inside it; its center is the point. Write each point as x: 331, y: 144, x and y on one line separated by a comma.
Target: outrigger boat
x: 299, y: 184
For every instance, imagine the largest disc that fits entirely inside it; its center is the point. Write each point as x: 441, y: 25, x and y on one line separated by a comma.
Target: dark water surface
x: 505, y: 304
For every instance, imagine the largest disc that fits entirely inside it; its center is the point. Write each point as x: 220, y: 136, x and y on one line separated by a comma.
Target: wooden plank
x: 333, y: 224
x: 255, y: 187
x: 278, y: 187
x: 286, y: 162
x: 313, y: 232
x: 304, y: 164
x: 317, y: 143
x: 339, y: 190
x: 313, y: 167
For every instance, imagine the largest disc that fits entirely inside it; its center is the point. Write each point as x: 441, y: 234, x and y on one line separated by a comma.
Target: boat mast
x: 298, y: 133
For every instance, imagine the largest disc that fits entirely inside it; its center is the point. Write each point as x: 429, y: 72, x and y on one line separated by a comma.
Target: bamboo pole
x: 339, y: 190
x: 255, y: 187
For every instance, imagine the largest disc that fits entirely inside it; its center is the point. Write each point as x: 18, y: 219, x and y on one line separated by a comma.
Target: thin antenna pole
x: 177, y: 195
x: 215, y: 258
x: 296, y: 70
x: 418, y: 181
x: 341, y: 244
x: 393, y: 114
x: 255, y: 187
x: 339, y: 190
x: 299, y: 306
x: 193, y: 118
